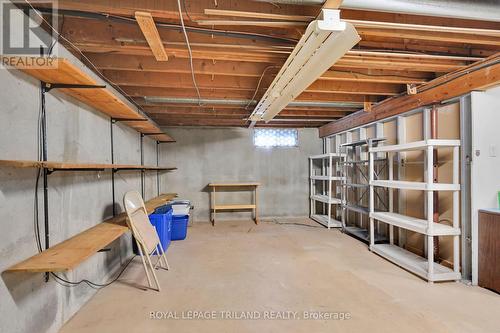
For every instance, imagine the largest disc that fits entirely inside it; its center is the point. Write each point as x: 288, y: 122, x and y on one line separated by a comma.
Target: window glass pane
x: 275, y: 137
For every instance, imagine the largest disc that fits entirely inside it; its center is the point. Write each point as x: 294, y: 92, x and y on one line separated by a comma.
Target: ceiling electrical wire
x: 190, y: 52
x: 258, y: 84
x: 89, y: 62
x: 186, y: 10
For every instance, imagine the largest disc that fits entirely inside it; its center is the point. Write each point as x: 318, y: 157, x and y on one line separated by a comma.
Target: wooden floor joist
x: 478, y: 76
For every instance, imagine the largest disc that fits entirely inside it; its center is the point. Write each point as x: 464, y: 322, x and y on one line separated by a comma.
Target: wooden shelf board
x: 71, y: 252
x: 61, y: 70
x: 231, y: 207
x: 233, y: 184
x: 81, y: 166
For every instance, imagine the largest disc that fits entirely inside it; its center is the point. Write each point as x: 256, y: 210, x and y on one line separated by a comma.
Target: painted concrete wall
x: 485, y: 178
x: 77, y: 200
x: 205, y: 155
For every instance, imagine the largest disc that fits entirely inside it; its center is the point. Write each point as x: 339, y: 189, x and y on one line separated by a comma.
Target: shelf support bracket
x: 49, y: 86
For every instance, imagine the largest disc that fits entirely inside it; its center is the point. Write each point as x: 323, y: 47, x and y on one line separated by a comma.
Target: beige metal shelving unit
x: 423, y: 267
x: 330, y: 176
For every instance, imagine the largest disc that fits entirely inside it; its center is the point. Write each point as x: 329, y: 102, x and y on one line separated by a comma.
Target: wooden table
x: 233, y: 207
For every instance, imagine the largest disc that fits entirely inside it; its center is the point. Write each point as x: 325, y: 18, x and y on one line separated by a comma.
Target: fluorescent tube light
x: 325, y: 41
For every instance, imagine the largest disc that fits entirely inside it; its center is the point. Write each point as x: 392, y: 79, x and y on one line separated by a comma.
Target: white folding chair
x: 145, y: 235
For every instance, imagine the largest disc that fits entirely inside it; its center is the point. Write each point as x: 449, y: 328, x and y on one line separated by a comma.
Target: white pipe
x: 483, y: 10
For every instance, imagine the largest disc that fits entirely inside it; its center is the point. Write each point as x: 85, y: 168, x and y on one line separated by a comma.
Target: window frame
x: 296, y: 134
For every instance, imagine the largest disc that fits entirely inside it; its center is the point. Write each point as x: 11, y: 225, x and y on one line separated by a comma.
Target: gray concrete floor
x: 270, y: 269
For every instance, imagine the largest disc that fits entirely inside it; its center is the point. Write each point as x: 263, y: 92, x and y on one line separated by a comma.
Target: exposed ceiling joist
x: 475, y: 77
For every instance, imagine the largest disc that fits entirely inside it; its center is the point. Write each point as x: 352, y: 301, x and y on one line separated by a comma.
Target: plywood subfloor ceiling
x: 230, y: 59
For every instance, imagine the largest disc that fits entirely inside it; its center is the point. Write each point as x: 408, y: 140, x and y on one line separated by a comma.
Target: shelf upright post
x: 111, y: 123
x: 311, y: 188
x: 46, y: 227
x: 158, y: 164
x: 456, y: 211
x: 45, y: 88
x: 371, y: 198
x: 142, y: 164
x: 329, y: 195
x: 390, y: 167
x: 430, y: 214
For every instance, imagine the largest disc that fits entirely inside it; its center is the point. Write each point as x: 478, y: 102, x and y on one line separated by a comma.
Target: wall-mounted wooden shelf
x: 73, y: 251
x: 69, y: 166
x: 62, y: 71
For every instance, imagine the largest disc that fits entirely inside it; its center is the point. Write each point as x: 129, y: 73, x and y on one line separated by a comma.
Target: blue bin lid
x: 163, y: 209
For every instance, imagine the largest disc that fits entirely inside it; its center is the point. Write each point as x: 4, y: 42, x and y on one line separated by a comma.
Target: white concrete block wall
x: 205, y: 155
x: 77, y: 200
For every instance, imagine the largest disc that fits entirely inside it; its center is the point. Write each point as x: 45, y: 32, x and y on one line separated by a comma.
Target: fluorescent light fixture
x: 325, y: 41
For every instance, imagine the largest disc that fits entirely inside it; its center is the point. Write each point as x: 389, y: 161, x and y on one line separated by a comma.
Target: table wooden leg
x: 213, y: 206
x: 255, y: 210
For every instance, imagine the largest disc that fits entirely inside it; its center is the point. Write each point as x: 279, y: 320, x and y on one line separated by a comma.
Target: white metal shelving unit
x: 423, y: 267
x: 329, y: 174
x: 355, y: 169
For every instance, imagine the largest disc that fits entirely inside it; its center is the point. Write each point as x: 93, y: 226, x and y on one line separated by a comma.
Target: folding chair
x: 146, y: 237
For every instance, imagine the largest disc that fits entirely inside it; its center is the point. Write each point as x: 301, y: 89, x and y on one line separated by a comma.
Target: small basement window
x: 275, y: 137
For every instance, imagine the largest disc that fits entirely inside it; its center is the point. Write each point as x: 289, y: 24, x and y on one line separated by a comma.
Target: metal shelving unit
x: 329, y: 175
x: 423, y: 267
x: 355, y: 187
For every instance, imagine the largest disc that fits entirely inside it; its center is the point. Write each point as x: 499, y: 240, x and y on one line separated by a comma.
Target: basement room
x: 250, y: 166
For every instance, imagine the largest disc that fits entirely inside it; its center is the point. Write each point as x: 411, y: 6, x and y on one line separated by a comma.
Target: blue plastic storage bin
x: 179, y: 227
x: 161, y: 219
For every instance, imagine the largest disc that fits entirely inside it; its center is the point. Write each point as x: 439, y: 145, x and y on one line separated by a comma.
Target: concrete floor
x: 270, y: 269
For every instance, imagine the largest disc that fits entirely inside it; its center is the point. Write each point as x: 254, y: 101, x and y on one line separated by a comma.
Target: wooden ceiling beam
x: 142, y: 79
x: 423, y: 27
x: 245, y: 69
x: 430, y: 36
x: 179, y: 66
x: 234, y: 122
x: 259, y: 15
x: 475, y: 77
x: 418, y: 46
x: 228, y: 94
x: 111, y: 31
x: 365, y: 15
x: 169, y: 9
x: 392, y: 64
x: 194, y: 106
x: 221, y: 55
x: 179, y: 52
x: 159, y: 110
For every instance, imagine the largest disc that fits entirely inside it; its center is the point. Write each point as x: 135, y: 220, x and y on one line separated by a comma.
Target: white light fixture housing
x: 325, y: 41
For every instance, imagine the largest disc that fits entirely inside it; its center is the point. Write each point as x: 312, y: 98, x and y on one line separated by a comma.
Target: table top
x: 233, y: 184
x: 490, y: 210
